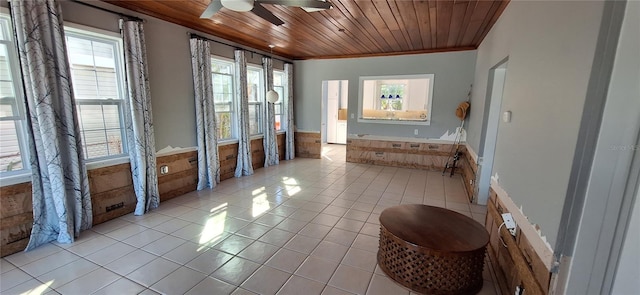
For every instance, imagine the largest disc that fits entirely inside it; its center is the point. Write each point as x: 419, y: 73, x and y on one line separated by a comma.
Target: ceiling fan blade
x: 262, y: 12
x: 299, y: 3
x: 213, y: 7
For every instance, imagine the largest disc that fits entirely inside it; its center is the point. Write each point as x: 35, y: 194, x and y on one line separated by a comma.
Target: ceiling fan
x: 256, y: 7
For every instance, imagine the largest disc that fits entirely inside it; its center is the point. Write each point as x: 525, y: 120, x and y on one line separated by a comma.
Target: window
x: 223, y: 94
x: 13, y: 145
x: 255, y: 90
x: 404, y: 99
x: 97, y: 79
x: 279, y: 85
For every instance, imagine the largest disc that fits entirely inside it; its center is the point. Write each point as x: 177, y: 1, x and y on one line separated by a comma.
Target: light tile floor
x: 306, y: 226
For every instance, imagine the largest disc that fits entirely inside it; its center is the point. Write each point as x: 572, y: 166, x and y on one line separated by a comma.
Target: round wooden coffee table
x: 432, y: 250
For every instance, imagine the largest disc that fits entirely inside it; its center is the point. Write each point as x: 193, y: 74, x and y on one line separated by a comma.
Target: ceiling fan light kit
x: 272, y: 96
x: 238, y: 5
x: 255, y: 6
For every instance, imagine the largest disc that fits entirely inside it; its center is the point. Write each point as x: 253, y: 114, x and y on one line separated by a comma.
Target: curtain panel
x: 289, y: 127
x: 60, y: 188
x: 244, y: 165
x: 208, y: 162
x: 271, y: 156
x: 138, y: 118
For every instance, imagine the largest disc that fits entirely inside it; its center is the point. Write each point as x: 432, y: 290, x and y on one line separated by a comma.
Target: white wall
x: 550, y: 46
x: 453, y: 76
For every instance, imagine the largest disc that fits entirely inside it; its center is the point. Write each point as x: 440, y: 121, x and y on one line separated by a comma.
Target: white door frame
x: 489, y: 136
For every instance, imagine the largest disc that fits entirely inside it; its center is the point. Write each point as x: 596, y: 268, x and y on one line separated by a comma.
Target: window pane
x: 97, y: 86
x: 8, y: 107
x: 93, y: 68
x: 253, y: 85
x: 255, y: 112
x: 223, y: 107
x: 221, y: 67
x: 6, y: 89
x: 114, y: 141
x: 223, y: 96
x: 278, y: 122
x: 91, y: 117
x: 111, y: 116
x: 95, y: 144
x: 10, y: 157
x: 224, y: 125
x: 277, y: 79
x: 5, y: 29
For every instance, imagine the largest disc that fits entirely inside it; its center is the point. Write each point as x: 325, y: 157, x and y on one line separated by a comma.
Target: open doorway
x: 489, y: 135
x: 334, y: 111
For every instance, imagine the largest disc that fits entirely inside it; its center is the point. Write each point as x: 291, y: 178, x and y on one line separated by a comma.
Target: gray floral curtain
x: 289, y: 127
x: 208, y: 163
x: 244, y: 166
x: 138, y: 119
x: 271, y: 156
x: 61, y: 200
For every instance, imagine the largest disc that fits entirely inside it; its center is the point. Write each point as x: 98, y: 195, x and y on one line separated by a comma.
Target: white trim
x: 91, y: 165
x: 406, y: 139
x: 306, y: 131
x: 472, y: 153
x: 429, y: 105
x: 24, y: 176
x: 227, y: 142
x: 538, y: 242
x: 169, y: 150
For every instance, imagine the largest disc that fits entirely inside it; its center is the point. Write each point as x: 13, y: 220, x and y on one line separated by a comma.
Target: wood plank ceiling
x: 351, y: 29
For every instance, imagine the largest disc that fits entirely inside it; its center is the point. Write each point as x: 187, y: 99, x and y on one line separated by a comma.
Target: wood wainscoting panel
x: 469, y: 169
x: 228, y: 155
x: 281, y: 139
x: 182, y: 177
x: 431, y: 156
x: 308, y: 145
x: 16, y: 217
x: 416, y: 155
x: 517, y: 263
x: 112, y: 192
x: 257, y: 153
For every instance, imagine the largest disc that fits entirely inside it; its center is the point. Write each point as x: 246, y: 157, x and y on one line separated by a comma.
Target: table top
x: 434, y: 228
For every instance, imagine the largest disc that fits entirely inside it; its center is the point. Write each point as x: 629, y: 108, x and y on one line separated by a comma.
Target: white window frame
x: 18, y: 103
x: 429, y: 104
x: 260, y: 95
x: 232, y: 104
x: 90, y: 33
x: 279, y: 104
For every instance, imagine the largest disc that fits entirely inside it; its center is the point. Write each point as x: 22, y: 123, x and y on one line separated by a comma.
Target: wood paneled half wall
x: 308, y: 145
x: 522, y: 260
x: 411, y: 154
x: 112, y: 192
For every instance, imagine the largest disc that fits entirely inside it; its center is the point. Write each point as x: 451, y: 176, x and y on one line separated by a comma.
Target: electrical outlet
x: 164, y: 169
x: 509, y: 223
x: 415, y: 131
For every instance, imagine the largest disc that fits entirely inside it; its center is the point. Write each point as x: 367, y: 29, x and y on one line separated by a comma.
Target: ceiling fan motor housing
x: 238, y: 5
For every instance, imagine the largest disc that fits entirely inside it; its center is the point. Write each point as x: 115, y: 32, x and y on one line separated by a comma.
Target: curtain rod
x: 193, y: 35
x: 130, y: 17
